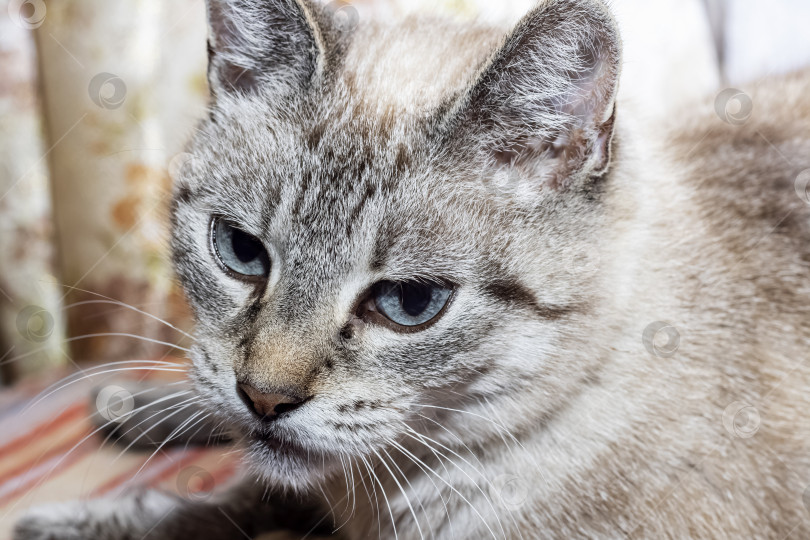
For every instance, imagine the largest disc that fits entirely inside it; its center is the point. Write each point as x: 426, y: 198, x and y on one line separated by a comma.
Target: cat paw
x: 55, y: 522
x: 132, y: 517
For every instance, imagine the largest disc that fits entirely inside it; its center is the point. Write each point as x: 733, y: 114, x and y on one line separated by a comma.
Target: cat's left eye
x: 409, y: 305
x: 238, y: 251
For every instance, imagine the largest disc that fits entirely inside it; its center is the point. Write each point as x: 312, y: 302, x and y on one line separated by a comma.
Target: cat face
x: 354, y: 264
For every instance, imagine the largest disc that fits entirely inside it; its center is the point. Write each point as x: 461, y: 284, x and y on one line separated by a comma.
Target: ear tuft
x: 267, y: 43
x: 545, y: 99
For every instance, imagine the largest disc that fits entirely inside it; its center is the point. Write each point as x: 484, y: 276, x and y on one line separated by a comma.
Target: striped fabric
x: 50, y: 453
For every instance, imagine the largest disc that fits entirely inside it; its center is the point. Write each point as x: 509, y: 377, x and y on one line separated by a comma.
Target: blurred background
x: 98, y: 97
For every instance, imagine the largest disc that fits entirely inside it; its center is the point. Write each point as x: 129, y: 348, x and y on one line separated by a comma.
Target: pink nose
x: 267, y: 406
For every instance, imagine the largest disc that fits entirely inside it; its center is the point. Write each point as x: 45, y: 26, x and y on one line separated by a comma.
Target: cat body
x: 626, y: 307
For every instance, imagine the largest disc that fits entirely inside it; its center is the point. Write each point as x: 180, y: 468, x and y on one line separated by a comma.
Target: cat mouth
x: 278, y: 445
x: 275, y: 444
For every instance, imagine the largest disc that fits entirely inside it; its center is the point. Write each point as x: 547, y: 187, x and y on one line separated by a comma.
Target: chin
x: 286, y: 464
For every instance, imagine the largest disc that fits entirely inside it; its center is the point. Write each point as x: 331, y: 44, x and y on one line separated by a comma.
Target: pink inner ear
x: 591, y: 101
x: 582, y: 149
x: 544, y: 103
x: 521, y: 150
x: 600, y: 154
x: 559, y: 144
x: 581, y: 144
x: 237, y: 77
x: 555, y: 163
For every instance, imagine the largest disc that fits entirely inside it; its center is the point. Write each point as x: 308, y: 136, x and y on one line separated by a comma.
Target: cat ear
x: 262, y: 43
x: 545, y: 100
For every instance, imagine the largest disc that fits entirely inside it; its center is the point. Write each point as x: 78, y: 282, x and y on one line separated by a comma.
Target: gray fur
x: 533, y: 408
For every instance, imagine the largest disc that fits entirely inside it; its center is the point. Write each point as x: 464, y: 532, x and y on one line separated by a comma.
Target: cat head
x: 381, y: 224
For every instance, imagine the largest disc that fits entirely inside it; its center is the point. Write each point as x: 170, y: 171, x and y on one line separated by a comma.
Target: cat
x: 446, y: 288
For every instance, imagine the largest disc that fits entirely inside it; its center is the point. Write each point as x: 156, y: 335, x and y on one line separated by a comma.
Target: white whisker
x: 85, y: 375
x: 376, y: 499
x: 402, y: 490
x: 175, y: 406
x: 387, y: 502
x: 125, y: 334
x: 418, y: 500
x: 131, y: 307
x: 423, y: 467
x: 167, y: 439
x: 185, y: 404
x: 439, y: 455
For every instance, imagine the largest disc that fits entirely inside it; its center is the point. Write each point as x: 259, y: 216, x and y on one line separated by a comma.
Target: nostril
x: 285, y: 407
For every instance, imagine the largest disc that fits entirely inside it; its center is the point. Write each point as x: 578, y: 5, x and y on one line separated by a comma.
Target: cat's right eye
x: 406, y: 306
x: 239, y: 252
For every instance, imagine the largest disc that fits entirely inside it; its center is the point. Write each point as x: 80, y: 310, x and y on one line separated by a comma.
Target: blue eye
x: 238, y: 251
x: 410, y: 303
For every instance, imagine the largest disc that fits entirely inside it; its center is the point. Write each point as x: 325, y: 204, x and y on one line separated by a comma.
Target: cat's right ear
x: 275, y: 44
x: 544, y: 102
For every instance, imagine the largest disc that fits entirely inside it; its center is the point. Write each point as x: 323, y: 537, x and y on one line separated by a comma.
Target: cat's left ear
x: 544, y: 102
x: 262, y: 44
